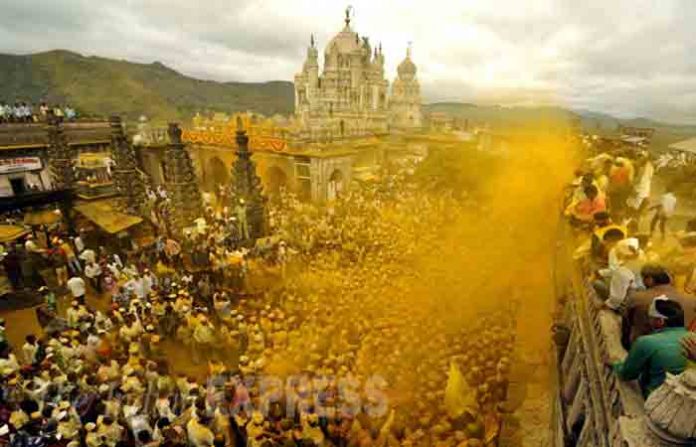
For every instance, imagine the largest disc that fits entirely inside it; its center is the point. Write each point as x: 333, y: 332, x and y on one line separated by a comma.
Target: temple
x: 350, y: 97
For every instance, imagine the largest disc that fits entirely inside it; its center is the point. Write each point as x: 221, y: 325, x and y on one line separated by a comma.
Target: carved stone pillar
x: 61, y: 164
x: 61, y: 158
x: 129, y: 183
x: 181, y: 183
x: 246, y: 185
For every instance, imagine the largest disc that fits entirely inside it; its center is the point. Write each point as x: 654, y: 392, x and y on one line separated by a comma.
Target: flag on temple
x: 458, y: 394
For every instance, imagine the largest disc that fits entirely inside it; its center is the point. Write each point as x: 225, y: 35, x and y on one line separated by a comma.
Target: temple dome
x: 407, y: 69
x: 345, y: 42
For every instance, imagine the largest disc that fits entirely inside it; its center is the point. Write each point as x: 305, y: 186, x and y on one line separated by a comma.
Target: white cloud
x: 630, y: 57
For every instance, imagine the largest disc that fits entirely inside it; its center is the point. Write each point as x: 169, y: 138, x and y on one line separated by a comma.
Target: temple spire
x: 311, y: 40
x: 347, y: 19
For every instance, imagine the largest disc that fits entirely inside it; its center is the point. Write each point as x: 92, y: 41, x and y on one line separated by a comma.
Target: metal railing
x: 596, y: 408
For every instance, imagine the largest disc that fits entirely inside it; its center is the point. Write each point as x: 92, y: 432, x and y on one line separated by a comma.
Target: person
x: 70, y: 114
x: 620, y: 180
x: 79, y: 242
x: 43, y: 111
x: 58, y: 112
x: 93, y: 272
x: 642, y: 187
x: 73, y: 263
x: 689, y: 347
x: 623, y: 279
x: 654, y: 355
x: 88, y: 255
x: 3, y: 112
x: 60, y: 264
x: 603, y: 224
x: 663, y: 211
x: 583, y: 211
x: 204, y: 337
x: 241, y: 214
x: 12, y: 264
x: 77, y: 288
x: 49, y: 299
x: 29, y: 349
x: 657, y: 282
x: 199, y: 435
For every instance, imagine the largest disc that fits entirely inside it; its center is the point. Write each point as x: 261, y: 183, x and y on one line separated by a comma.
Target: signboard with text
x: 19, y: 164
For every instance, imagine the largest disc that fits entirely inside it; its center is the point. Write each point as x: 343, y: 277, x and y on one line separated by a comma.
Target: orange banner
x: 256, y: 142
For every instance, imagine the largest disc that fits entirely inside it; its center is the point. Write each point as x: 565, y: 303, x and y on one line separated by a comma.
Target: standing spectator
x: 13, y: 268
x: 641, y: 189
x: 17, y: 113
x: 4, y: 112
x: 28, y: 113
x: 663, y: 211
x: 58, y: 112
x: 70, y: 114
x: 94, y: 273
x: 77, y: 288
x: 70, y: 256
x: 29, y: 349
x: 88, y: 255
x: 60, y: 263
x: 43, y: 111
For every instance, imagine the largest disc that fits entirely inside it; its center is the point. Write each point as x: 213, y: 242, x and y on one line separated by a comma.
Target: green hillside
x: 99, y: 86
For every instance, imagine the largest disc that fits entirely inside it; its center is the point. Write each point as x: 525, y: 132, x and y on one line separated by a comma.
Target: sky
x: 622, y: 57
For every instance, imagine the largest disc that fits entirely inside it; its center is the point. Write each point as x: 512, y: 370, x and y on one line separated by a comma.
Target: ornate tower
x: 181, y: 184
x: 60, y: 155
x: 129, y: 184
x: 349, y: 97
x: 247, y: 185
x: 405, y: 104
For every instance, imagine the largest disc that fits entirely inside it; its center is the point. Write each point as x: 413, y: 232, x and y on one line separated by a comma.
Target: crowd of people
x: 645, y: 279
x: 25, y: 112
x: 335, y: 345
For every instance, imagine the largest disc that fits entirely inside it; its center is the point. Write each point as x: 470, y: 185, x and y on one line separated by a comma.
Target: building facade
x: 350, y: 97
x: 28, y: 174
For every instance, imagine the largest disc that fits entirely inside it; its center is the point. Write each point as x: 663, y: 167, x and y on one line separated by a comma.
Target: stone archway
x: 335, y: 185
x: 217, y: 174
x: 276, y: 179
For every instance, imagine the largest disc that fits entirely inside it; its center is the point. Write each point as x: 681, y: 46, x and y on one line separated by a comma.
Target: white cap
x: 653, y: 312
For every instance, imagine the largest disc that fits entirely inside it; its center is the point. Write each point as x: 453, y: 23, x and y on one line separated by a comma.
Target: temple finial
x: 408, y: 49
x: 347, y: 19
x: 311, y: 40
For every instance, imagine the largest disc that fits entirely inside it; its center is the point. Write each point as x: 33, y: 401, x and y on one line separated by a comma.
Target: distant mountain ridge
x: 590, y: 121
x: 101, y: 86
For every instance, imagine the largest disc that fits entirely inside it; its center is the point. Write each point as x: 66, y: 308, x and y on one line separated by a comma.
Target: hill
x: 590, y: 121
x: 100, y: 86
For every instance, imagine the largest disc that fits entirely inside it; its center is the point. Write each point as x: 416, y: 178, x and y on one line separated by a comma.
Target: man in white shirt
x: 79, y: 244
x: 29, y: 349
x: 31, y: 246
x: 94, y: 273
x: 625, y: 277
x: 137, y: 286
x: 89, y: 256
x: 77, y: 288
x: 663, y: 211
